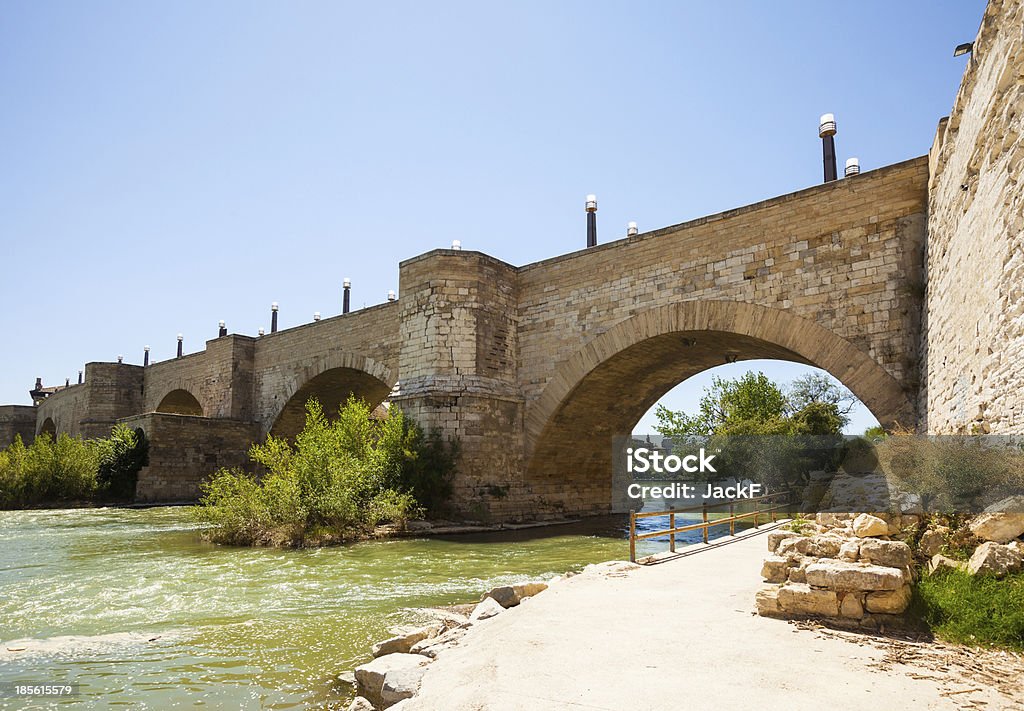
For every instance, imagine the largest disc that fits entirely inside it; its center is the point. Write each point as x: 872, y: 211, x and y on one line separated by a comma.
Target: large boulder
x: 891, y: 602
x: 994, y: 559
x: 998, y: 526
x: 389, y: 679
x: 841, y: 575
x: 894, y: 554
x: 801, y: 599
x: 867, y: 526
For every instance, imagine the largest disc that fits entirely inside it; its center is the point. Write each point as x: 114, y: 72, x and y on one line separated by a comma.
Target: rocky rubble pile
x: 846, y: 569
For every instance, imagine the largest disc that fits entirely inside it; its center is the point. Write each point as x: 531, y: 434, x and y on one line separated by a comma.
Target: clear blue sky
x: 167, y: 165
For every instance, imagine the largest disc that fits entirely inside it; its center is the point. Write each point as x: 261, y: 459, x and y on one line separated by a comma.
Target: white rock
x: 994, y: 559
x: 840, y: 575
x: 359, y: 704
x: 894, y: 554
x: 940, y: 561
x: 433, y: 647
x: 775, y: 569
x: 1001, y: 527
x: 486, y: 610
x: 767, y: 602
x: 867, y: 525
x: 402, y: 643
x: 389, y: 679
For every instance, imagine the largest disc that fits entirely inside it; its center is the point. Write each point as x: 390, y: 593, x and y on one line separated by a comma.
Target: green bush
x: 338, y: 480
x: 122, y: 456
x: 976, y: 610
x: 48, y: 470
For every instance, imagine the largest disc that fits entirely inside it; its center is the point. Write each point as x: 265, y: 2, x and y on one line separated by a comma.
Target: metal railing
x: 705, y: 522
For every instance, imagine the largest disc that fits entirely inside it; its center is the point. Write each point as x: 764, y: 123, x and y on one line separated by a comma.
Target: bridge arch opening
x: 49, y: 427
x: 180, y: 402
x: 606, y: 388
x: 332, y: 388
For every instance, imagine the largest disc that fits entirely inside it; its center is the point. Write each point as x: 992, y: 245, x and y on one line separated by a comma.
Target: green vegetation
x: 754, y: 405
x: 71, y: 469
x: 338, y: 480
x: 975, y: 610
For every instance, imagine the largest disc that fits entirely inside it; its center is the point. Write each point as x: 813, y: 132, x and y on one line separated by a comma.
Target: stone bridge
x: 535, y: 368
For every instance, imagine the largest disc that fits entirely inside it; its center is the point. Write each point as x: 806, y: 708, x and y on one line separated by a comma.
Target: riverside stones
x: 994, y: 559
x: 403, y: 643
x: 511, y: 595
x: 487, y: 609
x: 389, y: 679
x: 360, y: 704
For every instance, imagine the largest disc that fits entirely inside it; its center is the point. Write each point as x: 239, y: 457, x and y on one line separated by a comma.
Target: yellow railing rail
x: 781, y: 496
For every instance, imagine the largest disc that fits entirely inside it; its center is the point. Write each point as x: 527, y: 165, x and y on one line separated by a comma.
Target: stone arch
x: 606, y: 387
x: 180, y: 402
x: 331, y: 379
x: 48, y: 427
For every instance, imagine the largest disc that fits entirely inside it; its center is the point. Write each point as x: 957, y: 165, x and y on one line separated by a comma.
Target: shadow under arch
x: 180, y: 402
x: 48, y: 427
x: 607, y: 386
x: 337, y: 378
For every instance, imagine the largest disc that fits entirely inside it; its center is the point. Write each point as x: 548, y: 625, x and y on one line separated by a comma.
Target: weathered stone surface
x: 939, y: 562
x: 994, y: 559
x: 359, y: 703
x: 850, y: 550
x: 436, y: 645
x: 851, y: 606
x: 1001, y: 527
x: 932, y: 541
x: 824, y: 546
x: 867, y: 525
x: 891, y: 602
x: 894, y: 554
x: 388, y: 679
x: 775, y: 569
x: 841, y: 575
x: 801, y: 599
x: 777, y: 537
x: 403, y: 643
x: 487, y: 609
x: 767, y: 602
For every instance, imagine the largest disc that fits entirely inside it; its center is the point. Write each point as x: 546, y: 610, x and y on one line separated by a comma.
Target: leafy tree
x: 752, y: 404
x: 812, y: 388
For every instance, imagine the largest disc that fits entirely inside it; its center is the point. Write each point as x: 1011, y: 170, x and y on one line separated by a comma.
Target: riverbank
x: 684, y: 633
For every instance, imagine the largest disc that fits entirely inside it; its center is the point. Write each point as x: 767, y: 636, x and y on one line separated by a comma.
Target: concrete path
x: 676, y: 635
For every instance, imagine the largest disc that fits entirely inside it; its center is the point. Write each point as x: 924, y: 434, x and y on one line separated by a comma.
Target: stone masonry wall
x: 184, y: 451
x: 974, y: 331
x: 17, y: 420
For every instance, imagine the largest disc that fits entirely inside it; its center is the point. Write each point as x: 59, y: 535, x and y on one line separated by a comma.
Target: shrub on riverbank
x: 338, y: 480
x: 71, y: 469
x: 973, y: 609
x: 47, y: 470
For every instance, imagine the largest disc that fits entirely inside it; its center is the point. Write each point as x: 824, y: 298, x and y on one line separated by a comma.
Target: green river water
x: 136, y: 610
